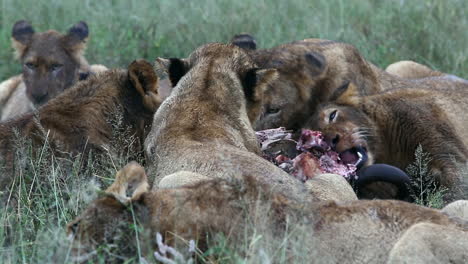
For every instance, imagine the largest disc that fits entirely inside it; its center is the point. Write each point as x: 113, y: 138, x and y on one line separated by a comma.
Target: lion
x: 349, y: 232
x: 52, y: 62
x: 204, y: 126
x: 388, y: 128
x: 89, y: 115
x: 311, y: 70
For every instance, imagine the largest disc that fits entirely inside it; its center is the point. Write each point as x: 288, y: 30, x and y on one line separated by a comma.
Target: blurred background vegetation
x: 433, y: 32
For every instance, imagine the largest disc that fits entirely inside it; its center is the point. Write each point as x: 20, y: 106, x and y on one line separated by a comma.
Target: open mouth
x: 356, y: 156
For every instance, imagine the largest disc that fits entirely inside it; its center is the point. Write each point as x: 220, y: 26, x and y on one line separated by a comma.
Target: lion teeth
x: 360, y: 158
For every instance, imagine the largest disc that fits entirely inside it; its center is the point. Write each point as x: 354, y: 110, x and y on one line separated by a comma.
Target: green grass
x: 423, y: 188
x: 431, y: 32
x: 49, y: 192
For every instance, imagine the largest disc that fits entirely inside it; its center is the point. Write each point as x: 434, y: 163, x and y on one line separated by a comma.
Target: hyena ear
x: 347, y: 94
x: 142, y: 76
x: 130, y: 183
x: 255, y: 82
x: 21, y: 34
x: 77, y: 36
x: 173, y: 67
x: 244, y: 41
x: 317, y: 62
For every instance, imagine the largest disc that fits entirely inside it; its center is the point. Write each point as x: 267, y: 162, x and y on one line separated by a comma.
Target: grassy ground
x: 51, y: 192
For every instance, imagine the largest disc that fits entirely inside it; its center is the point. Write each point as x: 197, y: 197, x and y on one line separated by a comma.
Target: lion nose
x: 39, y: 96
x: 332, y: 140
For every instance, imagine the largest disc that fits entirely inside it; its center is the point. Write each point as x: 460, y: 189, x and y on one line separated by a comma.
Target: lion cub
x: 52, y: 62
x: 388, y: 127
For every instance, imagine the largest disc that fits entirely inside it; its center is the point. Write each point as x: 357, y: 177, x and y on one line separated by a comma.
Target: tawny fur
x: 392, y: 124
x: 311, y: 70
x: 18, y: 102
x: 7, y: 88
x: 430, y: 243
x: 411, y: 70
x: 457, y: 209
x: 204, y: 126
x: 353, y: 232
x: 85, y: 116
x: 52, y: 62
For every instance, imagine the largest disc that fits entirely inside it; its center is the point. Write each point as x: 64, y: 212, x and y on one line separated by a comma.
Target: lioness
x: 88, y: 115
x: 52, y: 62
x: 311, y: 70
x: 352, y: 232
x: 388, y: 127
x: 204, y: 126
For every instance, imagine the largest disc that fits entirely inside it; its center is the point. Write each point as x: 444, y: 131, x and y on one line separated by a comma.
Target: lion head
x: 51, y: 61
x: 309, y: 72
x: 345, y: 127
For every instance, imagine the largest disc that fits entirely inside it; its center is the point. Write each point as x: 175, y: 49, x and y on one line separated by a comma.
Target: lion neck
x: 381, y: 126
x: 202, y: 113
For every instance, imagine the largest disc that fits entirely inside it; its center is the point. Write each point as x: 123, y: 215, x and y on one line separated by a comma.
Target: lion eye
x: 332, y: 116
x: 272, y: 110
x: 56, y: 67
x: 30, y: 66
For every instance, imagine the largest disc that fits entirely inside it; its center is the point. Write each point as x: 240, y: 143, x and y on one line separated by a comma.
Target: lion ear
x: 244, y: 41
x: 173, y: 67
x: 317, y: 62
x: 347, y: 94
x: 142, y: 76
x: 255, y: 82
x: 21, y: 34
x: 130, y: 183
x: 76, y: 38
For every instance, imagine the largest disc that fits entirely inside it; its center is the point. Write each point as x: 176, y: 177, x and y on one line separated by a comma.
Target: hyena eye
x: 333, y: 116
